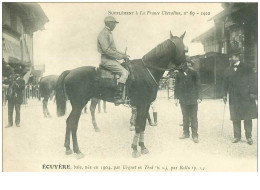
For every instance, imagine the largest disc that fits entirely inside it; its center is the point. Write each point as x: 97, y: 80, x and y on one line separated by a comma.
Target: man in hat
x: 109, y: 56
x: 187, y: 92
x: 15, y: 98
x: 240, y: 84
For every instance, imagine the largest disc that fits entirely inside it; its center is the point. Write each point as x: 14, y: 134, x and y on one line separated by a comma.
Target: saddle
x: 106, y: 78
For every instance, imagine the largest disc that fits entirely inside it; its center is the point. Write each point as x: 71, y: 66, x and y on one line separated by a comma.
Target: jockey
x: 109, y: 56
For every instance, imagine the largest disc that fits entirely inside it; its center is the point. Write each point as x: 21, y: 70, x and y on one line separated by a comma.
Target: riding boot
x: 118, y: 94
x: 155, y: 118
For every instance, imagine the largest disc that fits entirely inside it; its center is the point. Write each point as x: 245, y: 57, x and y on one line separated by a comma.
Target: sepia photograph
x: 129, y: 87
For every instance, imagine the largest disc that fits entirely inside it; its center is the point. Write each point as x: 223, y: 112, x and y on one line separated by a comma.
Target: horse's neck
x: 157, y: 63
x: 158, y: 73
x: 160, y: 58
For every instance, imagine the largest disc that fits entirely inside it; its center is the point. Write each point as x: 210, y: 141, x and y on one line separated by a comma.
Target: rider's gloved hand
x: 126, y: 58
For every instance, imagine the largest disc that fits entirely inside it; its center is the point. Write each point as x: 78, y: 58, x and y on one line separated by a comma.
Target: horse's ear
x: 171, y: 36
x: 182, y: 36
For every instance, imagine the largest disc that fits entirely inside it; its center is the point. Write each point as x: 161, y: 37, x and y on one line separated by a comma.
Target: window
x: 19, y: 25
x: 236, y: 38
x: 14, y: 21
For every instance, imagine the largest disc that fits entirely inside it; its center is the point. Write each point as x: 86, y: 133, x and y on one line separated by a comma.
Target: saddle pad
x: 106, y: 78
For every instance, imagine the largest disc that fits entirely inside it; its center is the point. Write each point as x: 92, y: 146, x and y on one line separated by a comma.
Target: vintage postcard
x: 129, y: 87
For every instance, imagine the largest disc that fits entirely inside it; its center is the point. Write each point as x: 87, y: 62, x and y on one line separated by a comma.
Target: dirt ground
x: 38, y: 144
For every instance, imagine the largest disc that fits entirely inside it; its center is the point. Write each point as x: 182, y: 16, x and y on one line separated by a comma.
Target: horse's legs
x: 133, y: 119
x: 67, y: 137
x: 104, y: 106
x: 99, y: 106
x: 47, y: 110
x: 44, y: 105
x: 93, y: 106
x: 73, y: 121
x: 71, y: 127
x: 142, y: 111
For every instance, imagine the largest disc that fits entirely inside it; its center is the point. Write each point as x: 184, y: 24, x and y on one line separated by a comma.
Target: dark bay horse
x: 46, y: 87
x: 80, y: 86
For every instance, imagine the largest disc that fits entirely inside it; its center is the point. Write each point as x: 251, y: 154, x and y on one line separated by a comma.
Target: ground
x: 38, y: 143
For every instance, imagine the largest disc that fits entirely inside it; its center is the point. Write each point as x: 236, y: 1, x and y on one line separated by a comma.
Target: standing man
x: 187, y: 91
x: 15, y: 98
x: 240, y: 84
x: 109, y: 56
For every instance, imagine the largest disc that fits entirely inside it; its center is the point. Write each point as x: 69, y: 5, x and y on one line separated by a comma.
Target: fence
x: 166, y: 88
x: 31, y: 95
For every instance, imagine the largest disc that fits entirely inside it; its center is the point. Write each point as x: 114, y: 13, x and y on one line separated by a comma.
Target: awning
x: 208, y: 34
x: 226, y: 12
x: 34, y: 17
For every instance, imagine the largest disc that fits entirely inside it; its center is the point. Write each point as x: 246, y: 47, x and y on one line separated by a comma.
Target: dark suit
x: 240, y: 84
x: 15, y: 98
x: 187, y: 90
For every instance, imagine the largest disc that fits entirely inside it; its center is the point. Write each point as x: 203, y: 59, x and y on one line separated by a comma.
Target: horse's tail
x: 60, y: 94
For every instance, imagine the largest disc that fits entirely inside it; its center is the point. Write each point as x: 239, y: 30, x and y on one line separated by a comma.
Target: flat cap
x: 110, y: 19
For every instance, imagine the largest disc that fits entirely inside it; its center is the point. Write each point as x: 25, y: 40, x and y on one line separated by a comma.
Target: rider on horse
x: 109, y: 56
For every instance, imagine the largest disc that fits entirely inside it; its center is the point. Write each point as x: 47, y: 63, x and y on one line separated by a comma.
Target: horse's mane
x: 164, y: 50
x: 169, y: 50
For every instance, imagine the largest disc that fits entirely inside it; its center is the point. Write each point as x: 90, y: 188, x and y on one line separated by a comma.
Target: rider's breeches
x: 116, y: 68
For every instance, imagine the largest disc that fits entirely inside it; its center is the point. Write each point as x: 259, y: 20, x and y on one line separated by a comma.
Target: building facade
x: 234, y: 32
x: 20, y: 21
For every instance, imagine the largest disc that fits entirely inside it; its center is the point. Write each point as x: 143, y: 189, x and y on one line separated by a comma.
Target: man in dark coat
x: 15, y: 98
x: 187, y: 91
x: 240, y: 84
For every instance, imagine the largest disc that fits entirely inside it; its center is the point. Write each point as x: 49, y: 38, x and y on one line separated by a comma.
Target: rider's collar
x: 108, y: 28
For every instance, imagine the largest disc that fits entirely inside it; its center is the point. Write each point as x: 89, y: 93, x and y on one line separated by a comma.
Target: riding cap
x: 110, y: 19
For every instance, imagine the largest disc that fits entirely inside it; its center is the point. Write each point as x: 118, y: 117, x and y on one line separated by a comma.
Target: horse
x: 80, y: 86
x: 46, y: 87
x: 93, y: 105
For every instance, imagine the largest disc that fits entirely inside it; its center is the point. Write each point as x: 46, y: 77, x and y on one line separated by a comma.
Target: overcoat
x: 187, y: 87
x: 241, y: 86
x: 15, y: 90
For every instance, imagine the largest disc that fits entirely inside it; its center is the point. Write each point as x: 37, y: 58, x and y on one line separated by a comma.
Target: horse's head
x: 170, y: 51
x: 180, y: 49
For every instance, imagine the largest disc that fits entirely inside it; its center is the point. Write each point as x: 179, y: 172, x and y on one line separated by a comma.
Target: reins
x: 156, y: 68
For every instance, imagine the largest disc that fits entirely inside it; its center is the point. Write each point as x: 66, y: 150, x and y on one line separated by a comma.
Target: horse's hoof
x: 97, y: 130
x: 136, y: 154
x: 132, y: 128
x: 68, y: 152
x: 145, y: 151
x: 80, y: 155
